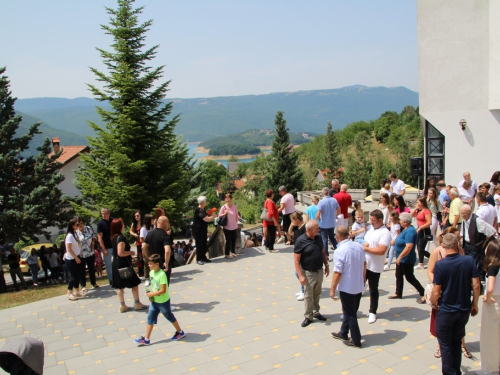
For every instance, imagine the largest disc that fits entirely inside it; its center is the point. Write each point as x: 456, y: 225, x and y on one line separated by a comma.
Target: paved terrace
x: 241, y: 317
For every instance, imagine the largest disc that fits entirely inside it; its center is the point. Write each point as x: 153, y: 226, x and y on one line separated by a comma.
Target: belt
x: 320, y: 269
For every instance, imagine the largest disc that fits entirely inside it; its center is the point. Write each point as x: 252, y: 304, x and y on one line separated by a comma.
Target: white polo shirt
x: 487, y: 212
x: 376, y: 237
x: 397, y: 187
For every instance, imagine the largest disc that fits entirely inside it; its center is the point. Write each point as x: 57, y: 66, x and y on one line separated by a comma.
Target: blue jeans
x: 325, y: 234
x: 108, y: 263
x: 156, y: 308
x: 301, y: 286
x: 391, y: 255
x: 34, y: 273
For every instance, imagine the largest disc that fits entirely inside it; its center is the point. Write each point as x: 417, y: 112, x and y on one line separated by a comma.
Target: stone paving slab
x: 241, y: 316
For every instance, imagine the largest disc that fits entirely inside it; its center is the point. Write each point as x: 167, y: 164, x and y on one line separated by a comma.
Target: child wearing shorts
x: 160, y: 302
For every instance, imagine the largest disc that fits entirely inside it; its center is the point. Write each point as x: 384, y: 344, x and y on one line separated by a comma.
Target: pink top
x: 421, y: 216
x: 232, y: 216
x: 399, y: 211
x: 289, y: 203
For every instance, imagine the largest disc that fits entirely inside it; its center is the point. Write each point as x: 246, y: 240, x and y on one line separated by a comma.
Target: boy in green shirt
x: 160, y: 301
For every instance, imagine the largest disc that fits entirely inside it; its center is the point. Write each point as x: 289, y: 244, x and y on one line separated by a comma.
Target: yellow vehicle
x: 25, y: 253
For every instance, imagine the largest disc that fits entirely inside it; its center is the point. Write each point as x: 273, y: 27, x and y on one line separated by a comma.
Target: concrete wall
x: 459, y: 77
x: 68, y: 185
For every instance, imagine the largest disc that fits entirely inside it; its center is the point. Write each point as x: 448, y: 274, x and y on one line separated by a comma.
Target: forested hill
x: 205, y: 118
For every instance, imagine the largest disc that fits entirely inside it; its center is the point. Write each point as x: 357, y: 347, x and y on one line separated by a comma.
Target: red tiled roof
x: 238, y: 184
x: 70, y: 152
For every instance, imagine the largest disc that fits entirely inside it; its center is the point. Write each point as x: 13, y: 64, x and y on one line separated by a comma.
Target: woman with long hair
x: 429, y: 183
x: 424, y: 222
x: 271, y: 224
x: 134, y: 231
x: 437, y: 254
x: 230, y: 229
x: 435, y: 207
x: 122, y: 258
x: 72, y: 259
x: 399, y: 204
x: 490, y: 322
x: 87, y: 255
x: 494, y: 181
x: 386, y: 207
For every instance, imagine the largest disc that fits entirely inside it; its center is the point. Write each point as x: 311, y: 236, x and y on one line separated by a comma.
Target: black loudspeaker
x: 417, y: 166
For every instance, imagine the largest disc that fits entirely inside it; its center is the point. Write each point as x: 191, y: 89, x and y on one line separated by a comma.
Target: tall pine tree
x: 333, y: 157
x: 30, y: 200
x: 136, y: 160
x: 283, y: 166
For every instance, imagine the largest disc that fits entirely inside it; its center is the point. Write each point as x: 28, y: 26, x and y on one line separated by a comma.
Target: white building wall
x: 459, y: 66
x: 68, y: 185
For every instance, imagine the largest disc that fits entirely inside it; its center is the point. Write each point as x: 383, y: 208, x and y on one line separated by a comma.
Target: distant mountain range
x: 205, y: 118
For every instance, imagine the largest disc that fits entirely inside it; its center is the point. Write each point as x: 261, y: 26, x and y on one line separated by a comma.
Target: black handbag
x: 126, y: 272
x: 223, y: 220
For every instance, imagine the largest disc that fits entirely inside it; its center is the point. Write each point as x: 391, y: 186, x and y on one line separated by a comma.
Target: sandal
x: 437, y: 353
x: 421, y: 301
x: 394, y: 296
x: 466, y: 352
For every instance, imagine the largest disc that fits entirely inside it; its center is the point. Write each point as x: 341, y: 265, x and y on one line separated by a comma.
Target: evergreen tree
x: 136, y: 160
x: 283, y: 166
x: 30, y: 200
x: 359, y: 164
x: 333, y: 157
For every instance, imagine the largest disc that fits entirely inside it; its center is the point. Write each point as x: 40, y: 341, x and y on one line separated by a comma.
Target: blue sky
x: 217, y: 48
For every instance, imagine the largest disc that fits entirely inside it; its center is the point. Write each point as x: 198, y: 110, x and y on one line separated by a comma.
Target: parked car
x: 24, y: 254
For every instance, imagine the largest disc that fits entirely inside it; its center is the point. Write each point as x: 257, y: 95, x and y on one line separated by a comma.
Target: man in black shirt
x: 14, y: 269
x: 104, y: 237
x: 159, y: 242
x: 335, y: 188
x: 309, y: 258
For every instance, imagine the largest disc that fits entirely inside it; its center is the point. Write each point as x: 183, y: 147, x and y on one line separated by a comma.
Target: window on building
x: 434, y: 152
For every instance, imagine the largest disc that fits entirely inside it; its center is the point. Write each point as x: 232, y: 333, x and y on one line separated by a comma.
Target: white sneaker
x: 387, y: 267
x: 372, y: 318
x: 173, y: 308
x: 298, y: 294
x: 418, y: 267
x: 300, y: 297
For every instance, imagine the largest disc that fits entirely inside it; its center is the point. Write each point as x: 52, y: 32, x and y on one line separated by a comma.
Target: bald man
x: 158, y: 241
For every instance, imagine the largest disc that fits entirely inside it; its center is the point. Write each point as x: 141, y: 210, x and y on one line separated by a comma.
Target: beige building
x: 459, y: 86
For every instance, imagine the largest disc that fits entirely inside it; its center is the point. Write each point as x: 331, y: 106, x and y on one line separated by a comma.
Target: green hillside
x: 205, y: 118
x: 67, y: 138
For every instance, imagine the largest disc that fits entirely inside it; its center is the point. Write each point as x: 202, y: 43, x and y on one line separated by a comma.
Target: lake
x: 193, y: 149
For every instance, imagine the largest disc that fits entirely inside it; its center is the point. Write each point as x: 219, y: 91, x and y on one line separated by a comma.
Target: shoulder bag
x: 223, y: 219
x: 265, y: 213
x: 126, y: 272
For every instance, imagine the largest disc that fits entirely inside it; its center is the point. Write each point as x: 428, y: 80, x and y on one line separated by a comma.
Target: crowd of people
x: 463, y: 265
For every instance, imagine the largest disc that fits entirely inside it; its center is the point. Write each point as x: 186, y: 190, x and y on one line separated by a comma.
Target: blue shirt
x: 409, y: 235
x: 328, y: 207
x: 349, y: 260
x: 455, y: 273
x: 443, y: 196
x: 311, y: 211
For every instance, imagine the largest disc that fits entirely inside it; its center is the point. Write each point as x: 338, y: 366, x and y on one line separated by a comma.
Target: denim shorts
x: 156, y: 308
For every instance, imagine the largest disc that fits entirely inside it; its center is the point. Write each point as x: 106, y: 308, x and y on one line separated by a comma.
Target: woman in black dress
x: 122, y: 258
x: 200, y: 230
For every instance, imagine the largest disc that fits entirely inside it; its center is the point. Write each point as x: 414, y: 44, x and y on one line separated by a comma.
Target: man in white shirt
x: 397, y: 185
x: 378, y: 241
x: 486, y: 211
x: 349, y: 269
x: 287, y: 207
x: 476, y: 233
x: 468, y: 178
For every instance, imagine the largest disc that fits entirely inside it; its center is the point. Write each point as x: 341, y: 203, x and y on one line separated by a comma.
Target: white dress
x: 497, y: 205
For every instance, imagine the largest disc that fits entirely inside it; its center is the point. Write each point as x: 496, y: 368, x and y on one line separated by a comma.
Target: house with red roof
x: 70, y: 160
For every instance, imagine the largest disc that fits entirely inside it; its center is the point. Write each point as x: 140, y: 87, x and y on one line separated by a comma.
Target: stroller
x: 22, y: 356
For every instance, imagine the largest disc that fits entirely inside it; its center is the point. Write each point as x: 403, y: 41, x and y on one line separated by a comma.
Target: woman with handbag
x: 424, y: 222
x: 270, y: 223
x: 87, y: 255
x: 124, y: 275
x: 404, y: 248
x: 228, y: 219
x: 437, y: 254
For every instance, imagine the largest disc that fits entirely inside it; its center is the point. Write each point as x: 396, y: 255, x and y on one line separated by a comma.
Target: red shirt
x: 272, y: 211
x: 421, y: 217
x: 345, y: 201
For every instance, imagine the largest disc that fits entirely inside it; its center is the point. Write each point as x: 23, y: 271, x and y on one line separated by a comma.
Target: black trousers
x: 422, y: 242
x: 406, y: 270
x: 286, y: 222
x: 74, y: 272
x: 478, y: 256
x: 230, y: 240
x: 90, y: 263
x: 271, y: 236
x: 200, y: 238
x: 350, y: 307
x: 450, y: 328
x: 373, y: 280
